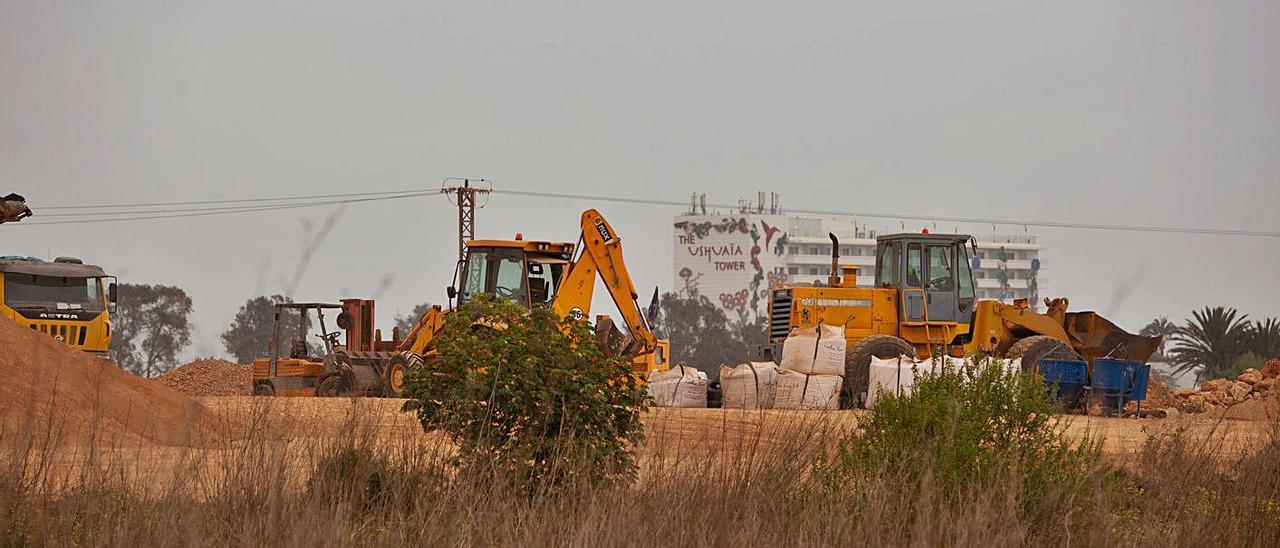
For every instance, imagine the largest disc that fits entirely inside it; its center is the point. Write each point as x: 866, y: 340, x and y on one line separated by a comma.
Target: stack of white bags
x: 809, y: 376
x: 898, y: 375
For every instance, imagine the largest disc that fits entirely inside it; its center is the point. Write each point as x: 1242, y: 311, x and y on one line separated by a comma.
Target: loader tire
x: 264, y: 389
x: 857, y: 366
x: 329, y: 387
x: 1037, y: 347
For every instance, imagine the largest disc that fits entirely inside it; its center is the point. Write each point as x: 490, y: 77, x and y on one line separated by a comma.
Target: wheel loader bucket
x: 1094, y: 337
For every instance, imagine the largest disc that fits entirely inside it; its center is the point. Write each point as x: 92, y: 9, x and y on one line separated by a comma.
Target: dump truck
x: 360, y: 365
x: 560, y: 275
x: 65, y: 299
x: 924, y: 304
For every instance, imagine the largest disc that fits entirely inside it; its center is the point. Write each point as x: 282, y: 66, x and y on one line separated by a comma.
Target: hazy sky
x: 1162, y: 113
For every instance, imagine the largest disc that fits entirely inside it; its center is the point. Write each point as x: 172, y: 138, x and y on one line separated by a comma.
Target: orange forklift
x: 362, y: 366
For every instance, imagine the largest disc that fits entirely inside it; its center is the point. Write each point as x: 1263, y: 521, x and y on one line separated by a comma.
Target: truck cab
x: 65, y: 299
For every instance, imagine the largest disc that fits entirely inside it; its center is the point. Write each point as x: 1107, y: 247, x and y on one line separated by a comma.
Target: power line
x: 303, y: 201
x: 249, y: 209
x: 226, y: 208
x: 918, y: 217
x: 237, y: 201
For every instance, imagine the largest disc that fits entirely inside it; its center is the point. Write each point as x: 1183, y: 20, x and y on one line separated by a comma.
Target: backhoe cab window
x: 499, y: 272
x: 52, y: 293
x: 543, y: 278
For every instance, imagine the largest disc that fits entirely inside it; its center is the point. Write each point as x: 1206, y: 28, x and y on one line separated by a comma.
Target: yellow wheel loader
x: 923, y: 304
x: 561, y: 275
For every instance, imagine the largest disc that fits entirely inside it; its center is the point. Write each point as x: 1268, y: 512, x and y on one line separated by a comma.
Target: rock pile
x: 1220, y: 393
x: 209, y: 378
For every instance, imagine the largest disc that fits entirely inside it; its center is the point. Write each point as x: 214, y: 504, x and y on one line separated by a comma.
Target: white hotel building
x: 733, y: 258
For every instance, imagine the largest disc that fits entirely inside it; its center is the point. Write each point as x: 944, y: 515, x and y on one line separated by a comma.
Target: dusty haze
x: 1162, y: 113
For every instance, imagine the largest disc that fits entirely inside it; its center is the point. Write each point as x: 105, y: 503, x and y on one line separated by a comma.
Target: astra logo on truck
x: 604, y: 231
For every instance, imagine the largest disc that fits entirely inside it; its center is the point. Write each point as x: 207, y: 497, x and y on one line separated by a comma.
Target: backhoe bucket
x: 1094, y: 337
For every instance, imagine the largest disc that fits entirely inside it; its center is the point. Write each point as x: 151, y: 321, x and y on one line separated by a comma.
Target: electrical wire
x: 318, y: 200
x: 237, y: 201
x: 220, y: 208
x: 917, y: 217
x: 249, y: 209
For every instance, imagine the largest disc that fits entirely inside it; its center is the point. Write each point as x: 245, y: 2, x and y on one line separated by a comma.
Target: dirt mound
x: 54, y: 393
x: 209, y: 378
x: 1159, y: 396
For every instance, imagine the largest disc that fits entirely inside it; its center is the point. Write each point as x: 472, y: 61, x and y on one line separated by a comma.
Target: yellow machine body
x: 65, y: 299
x: 900, y: 306
x: 556, y: 274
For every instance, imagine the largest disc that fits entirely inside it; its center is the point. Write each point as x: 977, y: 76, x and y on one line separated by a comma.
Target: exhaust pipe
x: 834, y: 279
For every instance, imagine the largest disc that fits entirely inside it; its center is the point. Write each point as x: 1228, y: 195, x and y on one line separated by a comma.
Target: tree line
x: 1216, y: 342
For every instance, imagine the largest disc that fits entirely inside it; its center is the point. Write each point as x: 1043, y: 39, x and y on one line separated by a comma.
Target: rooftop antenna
x: 759, y: 201
x: 703, y: 199
x: 693, y: 203
x: 464, y: 196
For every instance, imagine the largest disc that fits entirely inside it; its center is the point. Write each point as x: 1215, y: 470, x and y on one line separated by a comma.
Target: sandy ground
x: 286, y: 434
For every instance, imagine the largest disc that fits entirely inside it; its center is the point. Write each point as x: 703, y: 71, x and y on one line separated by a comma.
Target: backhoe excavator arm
x: 601, y: 252
x: 422, y: 333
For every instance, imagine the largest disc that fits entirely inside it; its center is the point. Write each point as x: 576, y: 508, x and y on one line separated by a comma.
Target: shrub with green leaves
x: 969, y: 429
x: 529, y: 397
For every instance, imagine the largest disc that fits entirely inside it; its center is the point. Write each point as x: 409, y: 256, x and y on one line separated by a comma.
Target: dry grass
x: 269, y: 476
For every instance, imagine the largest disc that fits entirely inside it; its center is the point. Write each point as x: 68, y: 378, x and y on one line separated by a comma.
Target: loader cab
x: 527, y: 272
x: 931, y: 273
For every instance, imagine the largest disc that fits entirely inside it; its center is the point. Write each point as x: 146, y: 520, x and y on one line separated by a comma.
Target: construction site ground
x: 73, y: 414
x: 293, y: 431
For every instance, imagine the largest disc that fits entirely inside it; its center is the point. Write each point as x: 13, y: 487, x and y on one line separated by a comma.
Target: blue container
x: 1113, y: 379
x: 1070, y: 376
x: 1141, y: 375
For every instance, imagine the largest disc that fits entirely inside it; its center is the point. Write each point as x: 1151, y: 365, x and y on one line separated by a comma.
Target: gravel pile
x: 209, y: 378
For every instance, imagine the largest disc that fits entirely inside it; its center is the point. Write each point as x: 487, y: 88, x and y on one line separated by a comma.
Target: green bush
x: 529, y: 397
x: 967, y: 430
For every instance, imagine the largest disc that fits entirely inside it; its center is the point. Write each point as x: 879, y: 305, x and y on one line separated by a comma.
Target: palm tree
x: 1264, y: 338
x: 1163, y: 328
x: 1211, y: 341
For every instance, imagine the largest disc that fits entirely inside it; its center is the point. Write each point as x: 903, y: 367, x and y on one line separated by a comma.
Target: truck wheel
x: 857, y: 365
x: 329, y: 387
x: 264, y: 389
x: 1038, y: 347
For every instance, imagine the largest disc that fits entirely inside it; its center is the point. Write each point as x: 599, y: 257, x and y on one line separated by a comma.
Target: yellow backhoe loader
x: 556, y: 274
x: 923, y: 304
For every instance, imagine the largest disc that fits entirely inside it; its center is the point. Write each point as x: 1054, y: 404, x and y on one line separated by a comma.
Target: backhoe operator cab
x: 525, y: 272
x: 931, y: 273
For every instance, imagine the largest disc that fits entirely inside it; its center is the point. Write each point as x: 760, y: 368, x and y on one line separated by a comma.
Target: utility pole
x: 464, y: 196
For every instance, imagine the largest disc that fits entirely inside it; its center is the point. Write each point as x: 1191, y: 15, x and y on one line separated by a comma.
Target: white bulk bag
x: 748, y: 386
x: 892, y: 376
x: 817, y: 350
x: 800, y: 391
x: 681, y: 386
